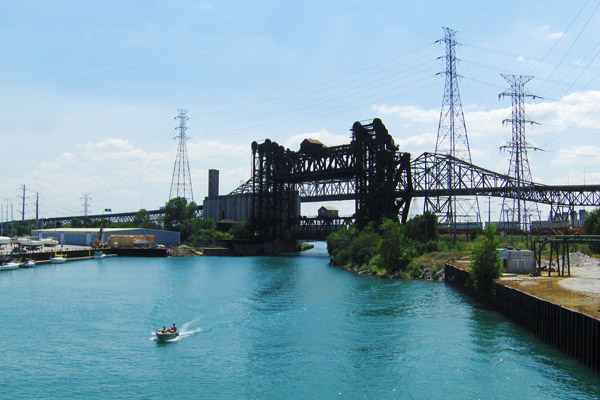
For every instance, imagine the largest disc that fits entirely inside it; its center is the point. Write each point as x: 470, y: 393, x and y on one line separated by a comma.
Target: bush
x: 486, y: 266
x: 363, y: 248
x: 592, y: 227
x: 395, y: 250
x: 338, y: 245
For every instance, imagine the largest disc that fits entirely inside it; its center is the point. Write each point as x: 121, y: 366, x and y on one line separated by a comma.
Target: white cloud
x: 555, y: 35
x: 424, y: 140
x: 327, y: 138
x: 215, y: 150
x: 60, y: 161
x: 411, y: 113
x: 579, y: 155
x: 111, y: 143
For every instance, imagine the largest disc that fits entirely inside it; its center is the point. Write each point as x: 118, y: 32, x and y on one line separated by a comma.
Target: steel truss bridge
x: 371, y: 171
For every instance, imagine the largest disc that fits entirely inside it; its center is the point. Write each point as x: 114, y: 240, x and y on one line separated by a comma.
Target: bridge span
x: 372, y: 172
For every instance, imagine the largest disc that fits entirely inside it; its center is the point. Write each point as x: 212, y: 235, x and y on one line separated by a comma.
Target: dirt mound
x: 184, y: 251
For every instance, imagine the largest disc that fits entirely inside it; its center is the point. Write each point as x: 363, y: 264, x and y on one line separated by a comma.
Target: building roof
x: 86, y: 230
x: 329, y: 208
x: 312, y: 144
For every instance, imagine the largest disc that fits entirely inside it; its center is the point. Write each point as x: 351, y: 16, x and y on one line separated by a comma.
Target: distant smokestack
x: 213, y: 183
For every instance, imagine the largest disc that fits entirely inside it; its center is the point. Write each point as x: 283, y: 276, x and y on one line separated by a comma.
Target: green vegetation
x: 592, y: 227
x: 486, y: 266
x: 387, y: 248
x: 180, y: 216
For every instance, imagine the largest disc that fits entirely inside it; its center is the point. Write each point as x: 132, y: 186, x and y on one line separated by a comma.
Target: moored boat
x: 58, y: 258
x: 98, y: 255
x: 9, y: 265
x: 49, y: 242
x: 28, y: 264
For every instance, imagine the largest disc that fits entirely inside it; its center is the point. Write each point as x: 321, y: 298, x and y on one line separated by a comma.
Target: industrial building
x: 233, y: 207
x: 517, y: 261
x: 86, y: 236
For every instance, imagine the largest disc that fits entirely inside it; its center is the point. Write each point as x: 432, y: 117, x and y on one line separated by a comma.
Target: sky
x: 91, y: 90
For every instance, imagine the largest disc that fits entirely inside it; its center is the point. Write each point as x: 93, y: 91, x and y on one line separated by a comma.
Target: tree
x: 142, y: 220
x: 364, y: 247
x: 592, y: 227
x: 396, y: 251
x: 181, y: 217
x: 177, y: 212
x: 422, y: 228
x: 338, y: 245
x: 486, y: 266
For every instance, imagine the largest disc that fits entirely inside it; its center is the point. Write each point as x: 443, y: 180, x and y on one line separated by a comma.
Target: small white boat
x: 49, y: 242
x: 4, y: 240
x: 9, y: 265
x: 28, y: 264
x: 58, y: 258
x: 98, y: 255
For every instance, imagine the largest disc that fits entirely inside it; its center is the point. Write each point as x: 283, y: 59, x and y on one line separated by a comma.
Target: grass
x: 549, y: 288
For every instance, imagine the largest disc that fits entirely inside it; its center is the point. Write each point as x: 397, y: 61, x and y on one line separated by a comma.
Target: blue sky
x: 90, y: 89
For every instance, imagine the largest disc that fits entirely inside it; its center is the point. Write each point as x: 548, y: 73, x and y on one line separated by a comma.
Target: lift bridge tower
x: 452, y: 140
x: 181, y: 182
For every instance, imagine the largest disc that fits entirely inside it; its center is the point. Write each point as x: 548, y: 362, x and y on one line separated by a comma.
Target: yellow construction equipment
x: 97, y: 244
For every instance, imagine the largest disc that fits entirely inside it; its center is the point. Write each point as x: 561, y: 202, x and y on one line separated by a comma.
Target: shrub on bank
x: 486, y: 267
x: 386, y: 248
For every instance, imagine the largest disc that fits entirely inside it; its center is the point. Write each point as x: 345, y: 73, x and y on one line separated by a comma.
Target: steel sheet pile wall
x: 574, y: 333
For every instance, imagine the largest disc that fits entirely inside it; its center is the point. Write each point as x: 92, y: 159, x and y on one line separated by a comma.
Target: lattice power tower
x: 181, y: 182
x: 519, y: 162
x: 452, y: 140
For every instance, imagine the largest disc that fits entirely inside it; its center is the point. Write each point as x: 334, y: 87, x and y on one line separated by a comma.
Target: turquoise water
x: 287, y: 327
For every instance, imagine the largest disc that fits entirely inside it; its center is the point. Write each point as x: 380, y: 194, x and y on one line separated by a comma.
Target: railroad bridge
x: 380, y: 179
x: 371, y: 171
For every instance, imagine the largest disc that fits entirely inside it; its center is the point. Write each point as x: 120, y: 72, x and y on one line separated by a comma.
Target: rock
x: 184, y: 251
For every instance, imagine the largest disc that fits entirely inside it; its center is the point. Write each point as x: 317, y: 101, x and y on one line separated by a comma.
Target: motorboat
x: 28, y: 264
x: 58, y: 258
x: 98, y: 255
x: 9, y: 265
x: 5, y: 240
x: 166, y: 334
x: 49, y: 242
x: 28, y: 242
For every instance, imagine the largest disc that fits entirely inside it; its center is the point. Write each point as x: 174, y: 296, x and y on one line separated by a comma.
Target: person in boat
x: 174, y: 329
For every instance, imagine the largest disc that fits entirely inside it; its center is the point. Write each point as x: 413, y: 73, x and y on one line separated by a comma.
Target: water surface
x: 288, y: 327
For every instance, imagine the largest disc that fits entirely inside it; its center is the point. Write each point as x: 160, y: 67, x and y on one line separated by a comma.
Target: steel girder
x: 369, y: 170
x: 430, y: 171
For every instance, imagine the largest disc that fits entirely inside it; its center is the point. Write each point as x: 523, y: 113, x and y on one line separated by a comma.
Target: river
x: 285, y: 327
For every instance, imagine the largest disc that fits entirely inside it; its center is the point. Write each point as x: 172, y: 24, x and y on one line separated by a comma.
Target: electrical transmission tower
x: 452, y: 140
x: 181, y: 182
x: 517, y: 147
x: 86, y: 203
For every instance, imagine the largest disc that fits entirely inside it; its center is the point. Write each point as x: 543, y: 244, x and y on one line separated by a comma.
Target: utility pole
x: 181, y: 182
x: 452, y: 140
x: 23, y: 198
x: 86, y: 203
x: 37, y: 208
x: 519, y: 162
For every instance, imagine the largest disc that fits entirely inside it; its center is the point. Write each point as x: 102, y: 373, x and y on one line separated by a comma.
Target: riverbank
x: 574, y: 332
x: 579, y: 292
